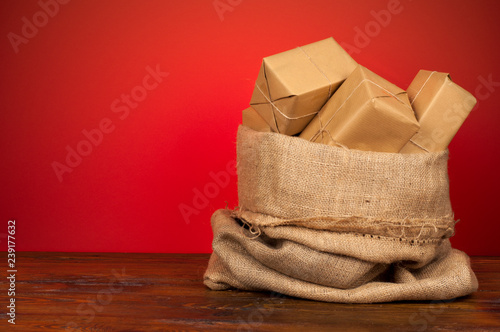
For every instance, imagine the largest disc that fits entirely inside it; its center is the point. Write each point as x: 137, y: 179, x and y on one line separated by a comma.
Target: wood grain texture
x: 164, y: 292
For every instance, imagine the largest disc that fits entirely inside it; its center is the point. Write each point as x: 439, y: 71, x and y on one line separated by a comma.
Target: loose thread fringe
x: 255, y: 228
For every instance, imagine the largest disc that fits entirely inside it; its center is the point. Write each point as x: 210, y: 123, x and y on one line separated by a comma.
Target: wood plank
x: 164, y: 292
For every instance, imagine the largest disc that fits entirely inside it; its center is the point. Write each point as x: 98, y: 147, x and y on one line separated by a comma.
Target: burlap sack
x: 325, y: 223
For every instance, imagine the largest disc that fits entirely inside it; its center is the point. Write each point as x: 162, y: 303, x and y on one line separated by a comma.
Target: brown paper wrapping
x: 293, y: 86
x: 366, y: 113
x: 441, y: 106
x: 252, y: 119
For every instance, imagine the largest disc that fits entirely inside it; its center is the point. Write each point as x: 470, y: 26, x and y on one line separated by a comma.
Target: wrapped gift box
x: 441, y: 107
x: 293, y: 86
x: 366, y: 113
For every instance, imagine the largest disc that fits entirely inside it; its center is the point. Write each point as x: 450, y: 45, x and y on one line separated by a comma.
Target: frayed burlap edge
x: 416, y: 229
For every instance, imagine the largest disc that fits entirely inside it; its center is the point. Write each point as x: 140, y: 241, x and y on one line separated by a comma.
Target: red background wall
x: 128, y: 192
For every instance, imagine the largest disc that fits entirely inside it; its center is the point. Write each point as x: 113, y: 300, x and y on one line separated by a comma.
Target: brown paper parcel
x: 441, y: 106
x: 366, y: 113
x: 330, y: 224
x: 292, y: 86
x: 252, y: 119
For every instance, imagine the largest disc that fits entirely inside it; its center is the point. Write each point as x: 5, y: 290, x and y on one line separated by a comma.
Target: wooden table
x: 164, y: 292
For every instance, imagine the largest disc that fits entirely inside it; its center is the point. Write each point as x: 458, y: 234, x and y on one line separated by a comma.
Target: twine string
x: 323, y: 126
x: 319, y: 69
x: 276, y: 107
x: 421, y: 88
x: 419, y: 145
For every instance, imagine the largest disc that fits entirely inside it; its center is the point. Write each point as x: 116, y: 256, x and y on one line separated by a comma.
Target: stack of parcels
x: 365, y: 216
